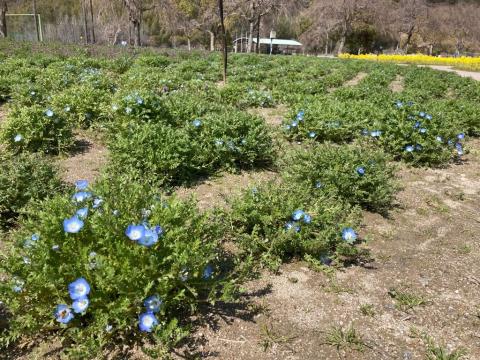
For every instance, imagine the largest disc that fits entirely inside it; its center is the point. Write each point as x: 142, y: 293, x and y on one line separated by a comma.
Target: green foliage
x: 39, y: 132
x: 24, y: 178
x: 170, y: 155
x: 333, y: 169
x: 259, y: 221
x: 121, y: 272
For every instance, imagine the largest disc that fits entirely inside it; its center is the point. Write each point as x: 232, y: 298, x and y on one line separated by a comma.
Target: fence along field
x: 121, y: 258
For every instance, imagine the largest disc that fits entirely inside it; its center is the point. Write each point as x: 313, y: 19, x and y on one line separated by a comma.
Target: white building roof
x: 266, y: 41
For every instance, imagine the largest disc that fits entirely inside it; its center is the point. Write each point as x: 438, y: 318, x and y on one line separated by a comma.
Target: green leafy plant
x: 88, y: 246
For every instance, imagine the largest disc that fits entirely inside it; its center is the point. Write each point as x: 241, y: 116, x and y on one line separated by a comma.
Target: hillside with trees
x: 323, y: 26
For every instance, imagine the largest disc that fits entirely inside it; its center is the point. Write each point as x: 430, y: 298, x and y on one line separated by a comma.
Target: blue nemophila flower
x: 135, y: 232
x: 26, y: 260
x: 421, y: 114
x: 115, y: 212
x: 67, y: 108
x: 417, y: 125
x: 365, y: 132
x: 298, y: 215
x: 288, y: 127
x: 439, y: 139
x: 428, y: 117
x: 18, y: 285
x: 376, y: 133
x: 128, y: 110
x: 207, y: 272
x: 360, y: 170
x: 423, y: 131
x: 108, y: 328
x: 318, y: 184
x: 219, y: 142
x: 159, y: 230
x: 183, y: 274
x: 81, y: 196
x: 149, y: 238
x: 307, y: 219
x: 409, y: 148
x: 78, y: 289
x: 63, y: 314
x: 82, y: 213
x: 291, y: 225
x: 418, y: 147
x: 80, y: 305
x: 18, y: 138
x: 153, y: 303
x: 399, y: 104
x: 349, y: 235
x: 197, y: 123
x: 139, y: 101
x: 32, y: 93
x: 294, y: 124
x: 147, y: 321
x: 410, y: 103
x: 73, y: 225
x: 243, y: 142
x: 312, y: 134
x: 49, y: 113
x: 450, y: 142
x: 459, y: 148
x: 81, y: 184
x: 97, y: 202
x: 114, y: 107
x: 56, y: 247
x: 35, y: 237
x: 461, y: 136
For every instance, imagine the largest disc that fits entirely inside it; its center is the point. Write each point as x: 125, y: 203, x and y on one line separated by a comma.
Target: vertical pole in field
x: 92, y: 22
x: 224, y: 36
x: 35, y: 17
x: 85, y: 24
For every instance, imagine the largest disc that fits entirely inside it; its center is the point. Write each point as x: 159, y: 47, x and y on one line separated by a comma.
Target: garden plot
x: 307, y: 216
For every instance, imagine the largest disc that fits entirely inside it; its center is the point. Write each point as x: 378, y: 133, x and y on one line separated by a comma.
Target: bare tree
x: 224, y: 37
x: 3, y: 18
x: 136, y: 9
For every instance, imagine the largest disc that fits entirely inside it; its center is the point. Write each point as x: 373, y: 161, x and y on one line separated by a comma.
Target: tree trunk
x: 85, y: 24
x: 212, y: 40
x: 409, y: 38
x: 251, y: 25
x: 224, y: 36
x: 115, y: 37
x: 189, y: 44
x: 257, y: 45
x: 342, y: 44
x: 92, y: 22
x: 326, y: 45
x: 3, y: 18
x: 137, y: 33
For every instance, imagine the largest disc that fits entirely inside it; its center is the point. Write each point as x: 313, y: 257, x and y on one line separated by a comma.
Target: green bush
x: 261, y: 223
x: 24, y: 178
x: 37, y: 129
x: 338, y: 170
x: 170, y: 155
x: 175, y: 257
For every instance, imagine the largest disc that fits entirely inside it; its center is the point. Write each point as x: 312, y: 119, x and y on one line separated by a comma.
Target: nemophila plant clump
x: 37, y: 129
x: 24, y: 178
x: 108, y: 263
x: 200, y: 146
x: 358, y: 176
x: 276, y: 222
x: 418, y: 137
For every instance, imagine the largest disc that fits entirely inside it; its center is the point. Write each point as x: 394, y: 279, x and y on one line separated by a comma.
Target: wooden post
x: 37, y: 31
x: 92, y: 22
x: 85, y: 24
x: 224, y: 36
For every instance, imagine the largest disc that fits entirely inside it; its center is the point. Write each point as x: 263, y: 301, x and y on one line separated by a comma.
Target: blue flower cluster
x: 297, y: 217
x: 74, y: 224
x: 147, y: 320
x: 78, y: 291
x: 349, y: 235
x: 144, y: 234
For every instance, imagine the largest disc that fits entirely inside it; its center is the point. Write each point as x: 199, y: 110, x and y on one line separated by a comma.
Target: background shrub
x: 23, y: 178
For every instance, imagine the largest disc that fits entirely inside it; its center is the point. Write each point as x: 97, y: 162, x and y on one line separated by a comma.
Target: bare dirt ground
x: 471, y: 74
x: 86, y: 160
x: 273, y: 116
x: 397, y: 85
x: 359, y: 77
x: 424, y: 284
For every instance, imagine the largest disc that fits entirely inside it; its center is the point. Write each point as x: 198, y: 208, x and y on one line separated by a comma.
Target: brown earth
x: 353, y: 82
x: 428, y: 249
x: 397, y: 85
x: 86, y: 160
x: 273, y: 116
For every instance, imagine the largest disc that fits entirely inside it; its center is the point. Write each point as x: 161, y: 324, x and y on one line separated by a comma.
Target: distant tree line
x: 324, y: 26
